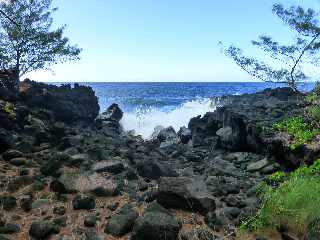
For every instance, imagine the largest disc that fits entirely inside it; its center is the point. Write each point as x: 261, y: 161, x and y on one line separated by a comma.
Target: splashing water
x: 143, y: 121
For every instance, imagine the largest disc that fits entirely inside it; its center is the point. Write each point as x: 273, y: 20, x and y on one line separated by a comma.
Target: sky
x: 162, y: 40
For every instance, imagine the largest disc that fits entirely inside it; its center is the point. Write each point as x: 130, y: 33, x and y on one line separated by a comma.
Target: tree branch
x: 9, y: 18
x: 299, y: 58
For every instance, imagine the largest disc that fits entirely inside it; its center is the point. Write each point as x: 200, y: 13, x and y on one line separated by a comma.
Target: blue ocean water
x: 147, y: 105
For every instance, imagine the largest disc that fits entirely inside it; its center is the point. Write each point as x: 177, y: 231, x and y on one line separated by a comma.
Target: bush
x: 314, y: 112
x: 294, y: 204
x: 10, y: 110
x: 298, y: 129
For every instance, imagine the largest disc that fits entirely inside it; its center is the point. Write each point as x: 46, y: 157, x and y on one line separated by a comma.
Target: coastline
x: 83, y: 176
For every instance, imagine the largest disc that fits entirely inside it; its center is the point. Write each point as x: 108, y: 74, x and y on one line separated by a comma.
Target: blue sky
x: 162, y: 40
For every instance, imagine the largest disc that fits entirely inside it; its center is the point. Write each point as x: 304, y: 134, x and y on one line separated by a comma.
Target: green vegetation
x: 10, y: 110
x: 293, y: 204
x: 27, y: 40
x: 301, y: 131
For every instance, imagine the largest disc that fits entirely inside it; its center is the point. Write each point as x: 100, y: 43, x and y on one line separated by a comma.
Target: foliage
x: 277, y: 177
x: 314, y: 112
x: 289, y: 57
x: 10, y: 110
x: 293, y: 204
x: 27, y: 42
x: 311, y: 98
x: 298, y: 129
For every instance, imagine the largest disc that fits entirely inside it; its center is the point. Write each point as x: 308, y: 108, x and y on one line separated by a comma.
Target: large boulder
x: 6, y: 140
x: 156, y: 223
x: 122, y: 222
x: 185, y: 135
x: 113, y: 113
x: 10, y: 154
x: 109, y: 121
x: 73, y: 182
x: 113, y: 166
x: 185, y: 193
x: 85, y: 202
x: 155, y: 169
x: 67, y: 104
x: 43, y: 229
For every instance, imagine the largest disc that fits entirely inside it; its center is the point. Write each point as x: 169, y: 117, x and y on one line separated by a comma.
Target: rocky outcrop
x: 87, y: 177
x: 109, y: 121
x: 66, y: 103
x: 244, y: 123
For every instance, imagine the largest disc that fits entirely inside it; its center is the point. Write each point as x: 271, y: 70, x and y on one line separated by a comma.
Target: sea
x: 148, y: 105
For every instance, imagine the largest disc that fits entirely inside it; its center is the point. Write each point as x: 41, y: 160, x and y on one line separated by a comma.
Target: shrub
x: 311, y: 98
x: 298, y: 129
x: 10, y: 110
x: 314, y: 112
x: 294, y: 204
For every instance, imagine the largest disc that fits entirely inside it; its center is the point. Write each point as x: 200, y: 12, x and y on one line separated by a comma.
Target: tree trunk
x: 16, y: 71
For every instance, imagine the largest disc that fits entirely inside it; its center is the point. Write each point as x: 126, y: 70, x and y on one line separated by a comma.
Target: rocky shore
x: 67, y: 172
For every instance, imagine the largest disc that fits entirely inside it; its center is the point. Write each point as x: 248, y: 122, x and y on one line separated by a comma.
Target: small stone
x: 26, y: 203
x: 43, y: 229
x: 10, y: 228
x: 256, y: 166
x: 23, y: 172
x: 113, y: 206
x: 90, y: 221
x: 40, y: 203
x: 19, y: 182
x: 60, y: 210
x: 8, y: 202
x: 212, y: 220
x: 10, y: 154
x: 232, y: 212
x: 83, y: 202
x: 121, y: 223
x: 60, y: 221
x: 18, y: 162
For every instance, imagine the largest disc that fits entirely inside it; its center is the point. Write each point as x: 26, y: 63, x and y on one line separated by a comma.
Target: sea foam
x: 143, y: 121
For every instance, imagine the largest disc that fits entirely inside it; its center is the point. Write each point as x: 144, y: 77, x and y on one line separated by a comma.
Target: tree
x: 291, y: 58
x: 27, y: 42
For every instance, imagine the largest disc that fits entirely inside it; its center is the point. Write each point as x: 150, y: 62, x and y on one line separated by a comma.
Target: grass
x: 301, y: 131
x: 293, y: 204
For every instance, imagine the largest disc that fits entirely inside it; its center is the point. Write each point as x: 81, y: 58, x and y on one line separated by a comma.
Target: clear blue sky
x: 162, y: 40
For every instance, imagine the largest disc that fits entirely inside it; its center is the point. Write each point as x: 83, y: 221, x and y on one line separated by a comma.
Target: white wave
x: 143, y: 121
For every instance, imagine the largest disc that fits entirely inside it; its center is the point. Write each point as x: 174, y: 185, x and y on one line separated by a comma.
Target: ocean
x: 147, y: 105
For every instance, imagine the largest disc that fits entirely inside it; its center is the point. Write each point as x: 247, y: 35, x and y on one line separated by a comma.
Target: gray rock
x: 185, y: 193
x: 85, y: 202
x: 26, y: 203
x: 42, y: 229
x: 256, y: 166
x: 157, y: 224
x: 121, y: 223
x: 154, y: 169
x: 184, y: 134
x: 11, y: 153
x: 10, y: 228
x: 8, y: 202
x: 19, y: 182
x: 59, y: 210
x: 199, y: 234
x: 90, y: 220
x: 78, y: 159
x: 114, y: 167
x: 18, y: 161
